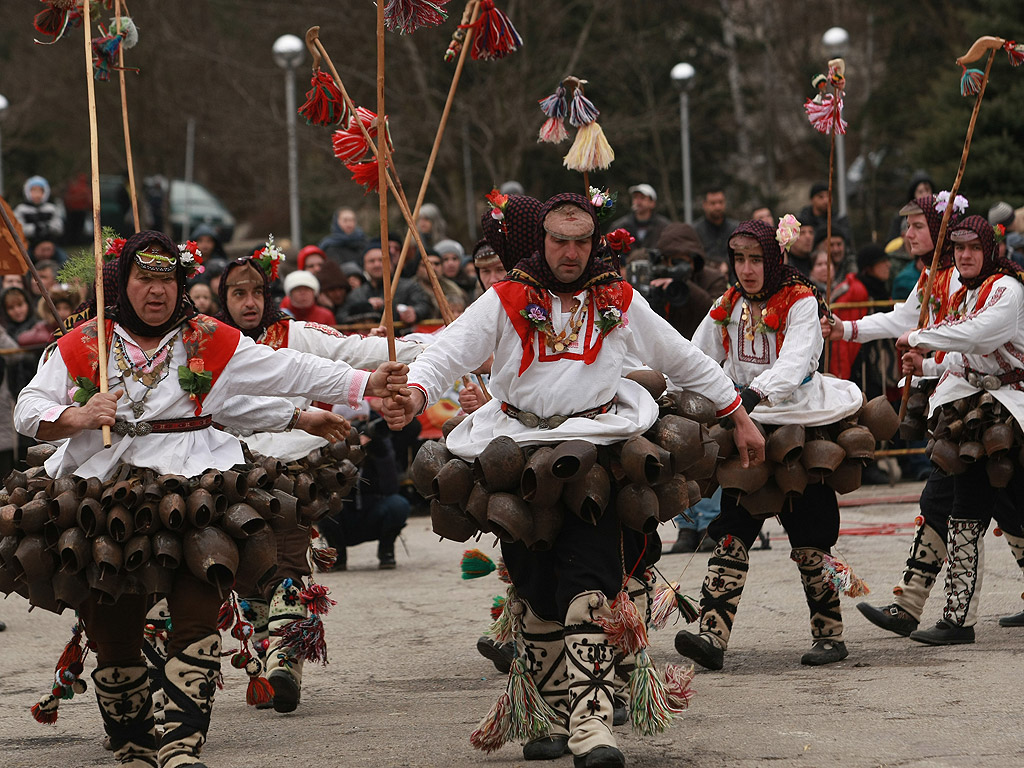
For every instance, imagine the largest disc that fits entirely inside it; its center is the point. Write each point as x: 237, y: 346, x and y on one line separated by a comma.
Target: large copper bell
x: 637, y: 505
x: 235, y: 486
x: 166, y: 549
x: 137, y: 551
x: 971, y: 452
x: 538, y: 485
x: 913, y: 427
x: 32, y: 561
x: 723, y: 437
x: 945, y: 455
x: 644, y: 462
x: 37, y: 455
x: 70, y: 590
x: 499, y: 467
x: 673, y: 498
x: 791, y: 479
x: 652, y: 381
x: 738, y: 481
x: 106, y: 585
x: 107, y: 553
x: 878, y: 416
x: 476, y: 507
x: 242, y: 521
x: 453, y: 482
x: 997, y: 439
x: 974, y: 418
x: 695, y: 406
x: 120, y: 524
x: 287, y: 515
x: 767, y: 501
x: 847, y: 477
x: 509, y: 517
x: 705, y: 467
x: 917, y: 403
x: 146, y: 518
x: 588, y: 497
x: 74, y: 550
x: 681, y: 437
x: 7, y: 526
x: 431, y: 456
x: 155, y: 579
x: 547, y: 524
x: 257, y: 559
x: 1000, y: 470
x: 263, y: 502
x: 452, y: 423
x: 211, y: 555
x: 785, y: 444
x: 171, y: 511
x: 92, y: 517
x: 858, y: 442
x: 450, y: 522
x: 31, y: 517
x: 573, y: 459
x: 821, y: 458
x: 202, y: 508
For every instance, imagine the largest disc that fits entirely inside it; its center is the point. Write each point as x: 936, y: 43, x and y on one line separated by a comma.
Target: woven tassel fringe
x: 476, y: 564
x: 315, y: 598
x: 555, y: 104
x: 668, y: 599
x: 324, y: 558
x: 590, y: 151
x: 503, y: 627
x: 553, y: 131
x: 582, y: 112
x: 519, y: 714
x: 494, y: 35
x: 406, y: 16
x: 503, y: 571
x: 45, y: 711
x: 651, y: 709
x: 304, y: 639
x: 625, y: 629
x: 970, y: 82
x: 497, y: 606
x: 260, y: 691
x: 365, y: 174
x: 324, y: 103
x: 492, y: 733
x: 677, y: 685
x: 826, y: 115
x: 1014, y: 52
x: 841, y: 579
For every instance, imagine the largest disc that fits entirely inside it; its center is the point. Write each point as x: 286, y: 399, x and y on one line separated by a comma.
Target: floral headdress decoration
x: 270, y: 257
x: 959, y: 203
x: 498, y: 203
x: 788, y: 231
x: 191, y: 258
x: 603, y: 201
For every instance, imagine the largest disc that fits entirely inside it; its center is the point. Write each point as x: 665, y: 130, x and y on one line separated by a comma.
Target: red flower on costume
x: 620, y: 240
x: 718, y: 313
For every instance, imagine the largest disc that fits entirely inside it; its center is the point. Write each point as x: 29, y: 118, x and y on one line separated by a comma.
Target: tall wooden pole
x: 124, y: 119
x: 382, y: 186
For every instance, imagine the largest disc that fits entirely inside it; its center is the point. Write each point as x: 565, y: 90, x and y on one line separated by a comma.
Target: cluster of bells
x: 62, y: 539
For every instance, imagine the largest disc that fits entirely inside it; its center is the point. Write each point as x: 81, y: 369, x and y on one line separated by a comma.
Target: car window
x: 196, y: 195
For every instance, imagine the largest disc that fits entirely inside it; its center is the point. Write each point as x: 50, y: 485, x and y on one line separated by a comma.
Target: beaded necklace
x: 149, y: 371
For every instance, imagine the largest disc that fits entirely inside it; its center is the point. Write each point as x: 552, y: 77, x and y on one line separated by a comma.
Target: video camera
x: 640, y: 273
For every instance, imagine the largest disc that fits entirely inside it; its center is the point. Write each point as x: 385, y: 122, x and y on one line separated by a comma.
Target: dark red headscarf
x: 535, y: 269
x: 123, y: 311
x: 271, y: 312
x: 514, y: 237
x: 934, y: 220
x: 993, y: 264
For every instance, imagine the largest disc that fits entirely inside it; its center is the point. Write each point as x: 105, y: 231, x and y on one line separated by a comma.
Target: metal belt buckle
x: 973, y: 379
x: 127, y: 428
x: 556, y: 421
x: 990, y: 382
x: 529, y: 420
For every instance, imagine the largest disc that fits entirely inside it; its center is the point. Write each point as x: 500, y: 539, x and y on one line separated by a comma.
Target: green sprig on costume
x: 194, y: 382
x: 476, y: 564
x: 81, y: 264
x: 86, y: 389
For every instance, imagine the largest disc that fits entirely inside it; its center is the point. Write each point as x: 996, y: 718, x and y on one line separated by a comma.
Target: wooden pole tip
x: 981, y: 46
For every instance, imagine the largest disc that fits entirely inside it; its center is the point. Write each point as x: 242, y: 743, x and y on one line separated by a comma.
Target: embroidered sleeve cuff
x: 849, y: 330
x: 914, y: 338
x: 356, y: 387
x: 426, y: 399
x: 730, y: 408
x: 52, y: 414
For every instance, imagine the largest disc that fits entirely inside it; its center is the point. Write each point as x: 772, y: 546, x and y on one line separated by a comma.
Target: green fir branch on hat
x: 81, y: 264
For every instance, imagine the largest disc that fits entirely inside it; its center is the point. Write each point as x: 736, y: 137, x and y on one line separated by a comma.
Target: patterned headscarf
x: 514, y: 237
x: 934, y: 220
x: 123, y: 311
x: 992, y: 264
x: 271, y: 312
x: 777, y: 275
x: 535, y: 269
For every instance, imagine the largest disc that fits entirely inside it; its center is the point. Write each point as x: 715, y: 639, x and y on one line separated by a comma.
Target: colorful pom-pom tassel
x: 497, y: 606
x: 970, y: 82
x: 46, y: 710
x: 590, y: 151
x: 555, y: 105
x: 56, y: 19
x: 582, y: 112
x: 625, y: 629
x: 519, y: 714
x: 259, y: 692
x: 651, y: 711
x: 503, y: 627
x: 663, y: 604
x: 841, y: 579
x: 826, y: 115
x: 494, y: 36
x: 1014, y: 52
x: 324, y: 103
x: 476, y: 564
x: 365, y: 174
x: 315, y: 598
x: 226, y: 615
x: 503, y: 571
x: 406, y: 16
x: 677, y: 685
x: 553, y: 131
x: 324, y: 558
x: 304, y: 639
x: 492, y: 733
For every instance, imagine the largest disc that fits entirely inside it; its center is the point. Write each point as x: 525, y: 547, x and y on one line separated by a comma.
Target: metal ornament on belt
x: 988, y: 383
x: 533, y: 421
x: 130, y: 429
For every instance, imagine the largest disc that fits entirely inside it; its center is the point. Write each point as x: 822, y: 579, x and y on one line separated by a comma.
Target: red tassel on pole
x: 406, y: 16
x: 324, y: 103
x: 494, y: 35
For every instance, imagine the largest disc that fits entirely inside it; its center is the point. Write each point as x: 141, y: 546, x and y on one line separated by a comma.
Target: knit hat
x: 818, y: 186
x: 300, y: 278
x: 37, y: 181
x: 869, y: 255
x: 308, y: 251
x: 330, y: 276
x: 1001, y: 213
x: 449, y: 246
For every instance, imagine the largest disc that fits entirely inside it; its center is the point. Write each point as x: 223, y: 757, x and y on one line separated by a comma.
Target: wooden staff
x: 469, y: 16
x: 382, y: 190
x: 124, y: 118
x: 982, y: 44
x: 828, y: 216
x: 97, y: 230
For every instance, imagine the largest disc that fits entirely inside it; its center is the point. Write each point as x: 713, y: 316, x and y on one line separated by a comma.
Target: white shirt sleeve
x: 885, y: 325
x: 245, y: 415
x: 365, y: 352
x: 981, y: 331
x: 44, y: 398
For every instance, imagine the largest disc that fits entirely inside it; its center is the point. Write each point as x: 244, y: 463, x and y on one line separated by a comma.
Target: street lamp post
x: 3, y: 111
x: 682, y: 75
x: 288, y: 54
x: 836, y: 41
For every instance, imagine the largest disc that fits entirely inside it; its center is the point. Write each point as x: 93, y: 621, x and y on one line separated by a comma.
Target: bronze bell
x: 259, y: 478
x: 450, y: 522
x: 738, y: 481
x: 589, y: 496
x: 431, y: 456
x: 92, y: 517
x: 878, y: 416
x: 704, y: 468
x: 673, y: 498
x: 499, y: 467
x: 917, y: 403
x: 955, y: 430
x: 70, y: 590
x: 155, y: 579
x: 724, y: 438
x: 313, y: 512
x: 267, y: 505
x: 242, y: 521
x: 7, y: 526
x: 573, y: 459
x: 645, y: 462
x: 107, y: 553
x: 211, y: 555
x: 17, y: 479
x: 329, y: 479
x: 971, y: 451
x: 999, y: 469
x: 681, y: 437
x: 74, y: 550
x: 538, y: 485
x: 137, y: 551
x: 166, y: 549
x: 695, y: 406
x: 997, y: 439
x: 652, y: 381
x: 306, y: 490
x: 693, y: 491
x: 200, y: 507
x: 509, y: 517
x: 275, y: 467
x: 785, y: 444
x: 257, y: 560
x: 821, y: 458
x: 8, y: 546
x: 173, y: 483
x: 287, y: 516
x: 791, y: 478
x: 858, y: 442
x: 913, y: 428
x: 476, y: 507
x: 767, y: 501
x: 36, y: 455
x: 19, y: 496
x: 30, y: 517
x: 547, y: 524
x: 90, y: 487
x: 172, y: 511
x: 146, y: 517
x: 61, y: 485
x: 212, y: 481
x: 451, y: 424
x: 847, y: 477
x: 453, y: 482
x: 945, y: 455
x: 66, y: 509
x: 33, y: 561
x: 338, y: 450
x: 637, y: 507
x: 106, y: 585
x: 120, y: 524
x: 284, y: 483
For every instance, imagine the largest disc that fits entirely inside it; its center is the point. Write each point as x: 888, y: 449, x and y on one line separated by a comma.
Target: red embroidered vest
x: 275, y: 335
x: 775, y: 313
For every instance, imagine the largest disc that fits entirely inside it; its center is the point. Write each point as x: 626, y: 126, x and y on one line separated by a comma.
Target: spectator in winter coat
x: 347, y: 241
x: 40, y: 219
x: 642, y: 222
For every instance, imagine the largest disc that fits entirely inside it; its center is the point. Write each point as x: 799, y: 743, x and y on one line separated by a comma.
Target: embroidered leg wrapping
x: 191, y: 681
x: 590, y: 663
x: 826, y: 614
x: 723, y: 586
x: 963, y: 577
x: 126, y: 705
x: 927, y: 554
x: 284, y: 670
x: 1017, y: 547
x: 543, y: 651
x: 154, y: 648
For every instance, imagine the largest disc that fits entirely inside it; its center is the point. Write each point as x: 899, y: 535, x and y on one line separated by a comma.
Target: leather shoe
x: 499, y: 653
x: 945, y: 632
x: 889, y: 617
x: 700, y: 649
x: 1017, y: 620
x: 824, y: 652
x: 600, y: 757
x: 546, y: 748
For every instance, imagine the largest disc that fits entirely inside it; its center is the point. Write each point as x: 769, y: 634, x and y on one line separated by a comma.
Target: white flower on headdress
x: 271, y: 251
x: 788, y: 231
x: 959, y: 202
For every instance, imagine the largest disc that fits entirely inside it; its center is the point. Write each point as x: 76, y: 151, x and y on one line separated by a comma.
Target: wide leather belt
x: 140, y: 428
x: 533, y: 421
x: 990, y: 381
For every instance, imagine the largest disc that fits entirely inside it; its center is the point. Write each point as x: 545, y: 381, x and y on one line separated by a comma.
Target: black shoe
x: 704, y: 652
x: 546, y: 748
x: 686, y: 541
x: 387, y: 561
x: 286, y: 692
x: 889, y: 617
x: 765, y: 540
x: 2, y: 626
x: 600, y: 757
x: 824, y: 652
x: 620, y: 711
x: 945, y: 632
x: 1017, y: 620
x: 499, y: 653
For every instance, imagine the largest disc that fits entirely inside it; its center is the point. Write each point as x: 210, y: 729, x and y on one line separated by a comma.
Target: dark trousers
x: 971, y: 496
x: 380, y: 521
x: 812, y: 520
